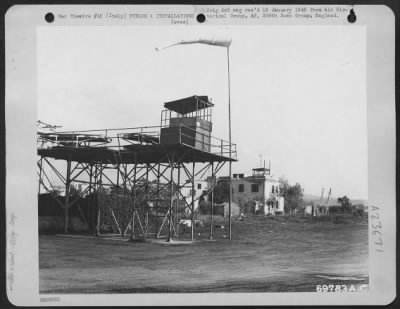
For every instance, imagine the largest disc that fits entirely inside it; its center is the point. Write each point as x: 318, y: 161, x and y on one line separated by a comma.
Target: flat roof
x: 131, y: 154
x: 74, y: 137
x: 189, y: 104
x: 261, y: 169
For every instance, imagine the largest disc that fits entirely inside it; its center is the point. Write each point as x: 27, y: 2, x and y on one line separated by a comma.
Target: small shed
x: 235, y: 209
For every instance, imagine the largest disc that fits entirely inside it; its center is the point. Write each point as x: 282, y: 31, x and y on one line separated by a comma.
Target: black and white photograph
x: 207, y: 153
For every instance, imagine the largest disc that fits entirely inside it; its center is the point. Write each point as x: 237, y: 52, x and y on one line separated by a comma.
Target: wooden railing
x: 119, y: 138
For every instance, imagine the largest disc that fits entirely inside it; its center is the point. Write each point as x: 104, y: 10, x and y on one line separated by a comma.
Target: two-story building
x: 260, y: 187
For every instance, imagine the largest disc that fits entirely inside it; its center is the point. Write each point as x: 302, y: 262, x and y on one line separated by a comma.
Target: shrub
x: 359, y: 212
x: 335, y: 209
x: 205, y: 207
x: 339, y: 219
x: 259, y: 212
x: 249, y: 207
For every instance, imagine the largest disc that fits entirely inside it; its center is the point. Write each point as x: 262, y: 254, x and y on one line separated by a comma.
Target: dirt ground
x: 266, y: 254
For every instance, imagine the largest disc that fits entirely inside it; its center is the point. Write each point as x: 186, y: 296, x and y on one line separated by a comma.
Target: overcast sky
x: 298, y: 93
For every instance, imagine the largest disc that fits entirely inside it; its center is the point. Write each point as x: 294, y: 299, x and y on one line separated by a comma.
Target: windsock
x: 215, y: 42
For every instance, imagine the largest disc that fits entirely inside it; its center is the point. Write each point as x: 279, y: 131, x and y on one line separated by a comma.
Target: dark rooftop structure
x: 188, y: 105
x: 261, y: 171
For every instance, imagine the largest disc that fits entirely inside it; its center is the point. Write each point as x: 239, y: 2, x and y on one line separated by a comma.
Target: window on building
x: 241, y: 187
x: 199, y: 186
x: 254, y: 187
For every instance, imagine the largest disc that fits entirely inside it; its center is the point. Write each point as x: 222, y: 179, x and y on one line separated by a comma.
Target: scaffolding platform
x: 155, y: 164
x: 131, y: 154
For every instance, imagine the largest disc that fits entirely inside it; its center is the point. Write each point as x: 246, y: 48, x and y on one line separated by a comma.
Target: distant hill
x: 332, y: 200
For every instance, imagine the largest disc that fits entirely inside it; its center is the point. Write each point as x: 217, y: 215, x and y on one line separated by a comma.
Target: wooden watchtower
x: 187, y: 121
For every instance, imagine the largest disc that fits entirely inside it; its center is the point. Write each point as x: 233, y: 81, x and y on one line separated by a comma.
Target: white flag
x: 215, y: 42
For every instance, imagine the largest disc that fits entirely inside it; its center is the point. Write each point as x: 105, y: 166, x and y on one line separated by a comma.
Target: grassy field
x: 266, y: 254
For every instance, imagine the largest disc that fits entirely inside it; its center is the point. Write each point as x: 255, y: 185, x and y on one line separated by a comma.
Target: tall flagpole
x: 230, y: 149
x: 222, y: 43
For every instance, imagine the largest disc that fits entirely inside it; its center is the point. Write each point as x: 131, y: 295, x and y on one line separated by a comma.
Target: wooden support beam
x: 192, y: 213
x: 67, y: 193
x: 158, y: 198
x: 100, y: 186
x: 171, y: 198
x: 212, y: 200
x: 133, y: 207
x: 146, y: 190
x: 116, y: 221
x: 40, y: 172
x: 177, y: 201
